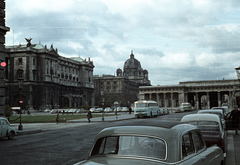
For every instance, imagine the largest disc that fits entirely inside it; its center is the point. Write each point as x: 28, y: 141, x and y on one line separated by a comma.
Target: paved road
x: 68, y: 143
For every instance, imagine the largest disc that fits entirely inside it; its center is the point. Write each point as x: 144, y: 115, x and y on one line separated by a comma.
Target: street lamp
x: 102, y: 93
x: 20, y: 86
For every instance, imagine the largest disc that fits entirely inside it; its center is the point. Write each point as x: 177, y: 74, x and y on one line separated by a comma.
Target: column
x: 158, y: 98
x: 219, y: 99
x: 172, y: 100
x: 197, y: 101
x: 164, y: 98
x: 150, y: 96
x: 208, y: 101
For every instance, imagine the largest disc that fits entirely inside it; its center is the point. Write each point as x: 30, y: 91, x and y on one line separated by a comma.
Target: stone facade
x: 214, y: 92
x: 122, y: 88
x: 50, y: 80
x: 3, y: 30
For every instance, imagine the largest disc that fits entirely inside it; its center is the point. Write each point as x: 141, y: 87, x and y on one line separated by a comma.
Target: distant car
x: 119, y: 109
x: 108, y: 109
x: 185, y: 107
x: 6, y: 130
x: 53, y: 111
x: 178, y: 110
x: 140, y: 145
x: 164, y: 111
x: 92, y: 109
x: 125, y: 109
x: 47, y: 110
x: 99, y: 110
x: 211, y: 128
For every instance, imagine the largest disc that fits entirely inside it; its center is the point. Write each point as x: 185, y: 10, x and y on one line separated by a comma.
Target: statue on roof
x: 28, y: 41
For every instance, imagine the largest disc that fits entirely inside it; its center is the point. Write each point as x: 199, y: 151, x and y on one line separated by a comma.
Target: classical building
x: 49, y: 80
x: 122, y: 88
x: 3, y: 30
x: 201, y: 94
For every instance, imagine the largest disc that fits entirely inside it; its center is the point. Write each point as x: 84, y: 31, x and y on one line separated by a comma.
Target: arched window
x: 34, y: 75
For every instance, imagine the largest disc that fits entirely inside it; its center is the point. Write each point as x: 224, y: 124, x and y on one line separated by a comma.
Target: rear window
x: 206, y: 126
x: 136, y: 146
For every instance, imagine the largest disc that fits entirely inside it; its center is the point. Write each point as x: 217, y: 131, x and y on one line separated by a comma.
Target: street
x: 67, y: 145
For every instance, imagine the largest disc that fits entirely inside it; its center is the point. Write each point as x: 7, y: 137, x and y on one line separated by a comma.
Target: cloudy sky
x: 175, y: 40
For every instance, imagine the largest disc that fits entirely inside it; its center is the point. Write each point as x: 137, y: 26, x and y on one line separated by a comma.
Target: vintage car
x: 216, y: 112
x: 211, y: 128
x: 6, y: 130
x: 224, y: 109
x: 185, y: 107
x: 181, y: 144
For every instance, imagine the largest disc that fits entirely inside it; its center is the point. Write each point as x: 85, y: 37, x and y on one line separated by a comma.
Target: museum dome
x: 132, y: 63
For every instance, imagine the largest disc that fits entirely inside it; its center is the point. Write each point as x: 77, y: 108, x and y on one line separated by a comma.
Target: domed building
x: 122, y: 88
x: 133, y: 71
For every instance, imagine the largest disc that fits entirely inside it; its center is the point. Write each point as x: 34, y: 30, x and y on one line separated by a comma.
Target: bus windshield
x: 138, y: 105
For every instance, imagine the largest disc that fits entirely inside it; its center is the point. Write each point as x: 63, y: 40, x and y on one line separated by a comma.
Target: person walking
x: 130, y: 110
x: 89, y: 116
x: 234, y: 117
x: 57, y: 117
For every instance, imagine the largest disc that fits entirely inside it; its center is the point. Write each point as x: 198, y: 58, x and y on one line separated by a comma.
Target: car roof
x: 145, y: 101
x: 210, y: 110
x: 201, y: 117
x: 172, y: 135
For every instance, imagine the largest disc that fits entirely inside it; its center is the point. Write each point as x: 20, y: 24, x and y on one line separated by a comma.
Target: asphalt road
x: 67, y: 145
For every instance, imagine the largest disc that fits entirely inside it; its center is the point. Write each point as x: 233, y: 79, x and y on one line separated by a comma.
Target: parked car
x: 118, y: 109
x: 164, y: 111
x: 53, y: 111
x: 140, y: 145
x: 47, y: 110
x: 216, y: 112
x: 92, y: 109
x: 108, y: 109
x: 211, y: 128
x: 224, y: 109
x: 99, y: 110
x: 125, y: 109
x: 6, y: 130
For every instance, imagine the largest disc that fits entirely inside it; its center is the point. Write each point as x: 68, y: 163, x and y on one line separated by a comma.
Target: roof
x: 170, y: 135
x: 210, y: 110
x: 201, y: 117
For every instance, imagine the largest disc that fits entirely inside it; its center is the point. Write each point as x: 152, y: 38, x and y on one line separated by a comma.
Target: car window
x: 187, y: 145
x: 131, y: 146
x: 206, y: 126
x: 198, y: 141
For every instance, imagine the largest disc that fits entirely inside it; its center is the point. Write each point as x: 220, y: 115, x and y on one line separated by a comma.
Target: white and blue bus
x: 144, y: 108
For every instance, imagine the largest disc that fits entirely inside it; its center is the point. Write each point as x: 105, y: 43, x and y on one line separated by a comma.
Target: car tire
x: 11, y: 135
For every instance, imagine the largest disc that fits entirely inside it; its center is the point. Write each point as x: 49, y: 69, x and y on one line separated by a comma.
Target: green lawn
x: 50, y: 118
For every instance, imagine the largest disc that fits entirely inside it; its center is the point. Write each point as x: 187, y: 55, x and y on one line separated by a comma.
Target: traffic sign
x: 21, y: 101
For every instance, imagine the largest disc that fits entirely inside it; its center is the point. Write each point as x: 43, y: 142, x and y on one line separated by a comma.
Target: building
x: 3, y: 30
x: 122, y: 88
x: 201, y: 94
x: 50, y: 80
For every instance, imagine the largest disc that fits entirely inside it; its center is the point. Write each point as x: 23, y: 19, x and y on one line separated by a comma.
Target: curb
x: 29, y: 132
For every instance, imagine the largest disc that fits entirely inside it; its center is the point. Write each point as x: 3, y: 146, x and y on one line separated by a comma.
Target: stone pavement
x: 233, y: 154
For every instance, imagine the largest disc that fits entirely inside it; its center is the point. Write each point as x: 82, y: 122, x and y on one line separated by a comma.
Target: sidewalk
x: 40, y: 127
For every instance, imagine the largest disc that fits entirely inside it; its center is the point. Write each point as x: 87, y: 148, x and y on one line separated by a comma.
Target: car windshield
x: 131, y: 146
x: 206, y: 126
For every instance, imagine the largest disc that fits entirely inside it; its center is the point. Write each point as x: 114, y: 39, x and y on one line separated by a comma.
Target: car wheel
x: 11, y: 135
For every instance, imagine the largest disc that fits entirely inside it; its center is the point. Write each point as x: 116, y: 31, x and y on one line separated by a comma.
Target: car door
x: 3, y: 127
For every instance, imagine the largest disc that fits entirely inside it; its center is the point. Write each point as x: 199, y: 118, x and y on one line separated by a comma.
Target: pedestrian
x: 57, y: 117
x: 130, y: 110
x: 234, y: 117
x: 89, y: 116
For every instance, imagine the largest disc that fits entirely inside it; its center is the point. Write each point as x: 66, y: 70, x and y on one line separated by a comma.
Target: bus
x: 145, y: 108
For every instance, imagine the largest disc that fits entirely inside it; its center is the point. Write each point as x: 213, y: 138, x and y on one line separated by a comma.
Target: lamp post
x: 103, y: 113
x: 20, y: 86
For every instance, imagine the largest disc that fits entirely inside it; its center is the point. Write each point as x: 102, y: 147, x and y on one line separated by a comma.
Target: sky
x: 175, y: 40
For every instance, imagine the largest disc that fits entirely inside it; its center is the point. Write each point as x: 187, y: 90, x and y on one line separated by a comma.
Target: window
x: 34, y: 61
x: 34, y: 75
x: 131, y: 146
x: 187, y: 145
x: 198, y: 140
x: 20, y: 61
x: 20, y: 73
